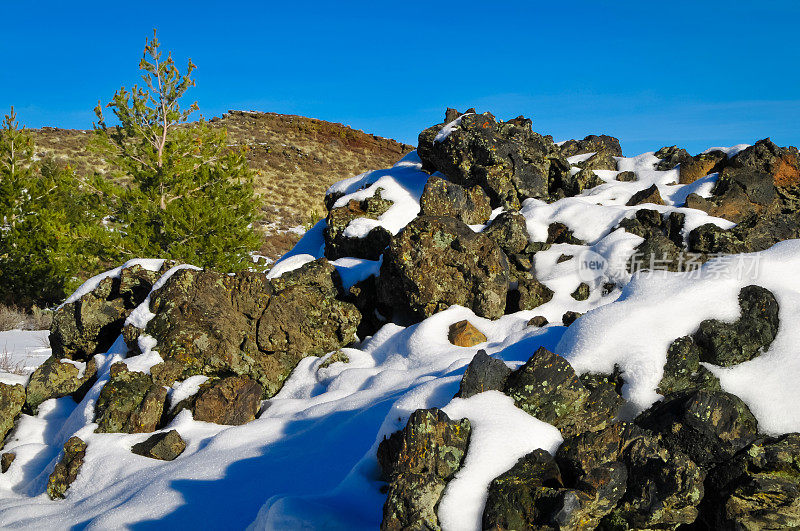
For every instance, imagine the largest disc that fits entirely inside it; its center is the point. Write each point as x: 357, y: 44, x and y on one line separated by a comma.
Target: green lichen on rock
x: 130, y: 402
x: 444, y: 198
x: 436, y: 262
x: 67, y: 469
x: 12, y: 399
x: 418, y: 461
x: 683, y: 370
x: 55, y: 378
x: 234, y: 401
x: 163, y: 446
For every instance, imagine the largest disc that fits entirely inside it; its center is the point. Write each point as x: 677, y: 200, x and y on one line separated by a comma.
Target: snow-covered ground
x: 309, y: 461
x: 21, y: 351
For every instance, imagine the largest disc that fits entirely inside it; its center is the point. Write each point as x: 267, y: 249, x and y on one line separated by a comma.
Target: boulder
x: 164, y: 446
x: 91, y: 324
x: 338, y: 244
x: 507, y: 159
x: 215, y: 324
x: 728, y: 344
x: 759, y: 488
x: 626, y: 176
x: 649, y: 195
x: 464, y: 334
x: 570, y: 317
x: 509, y: 231
x: 12, y: 398
x: 538, y: 321
x: 662, y: 247
x: 234, y: 401
x: 418, y: 462
x: 683, y: 370
x: 130, y: 402
x: 484, y: 373
x: 548, y: 388
x: 559, y: 233
x: 701, y: 165
x: 602, y: 144
x: 708, y: 426
x: 436, y: 262
x: 530, y: 294
x: 67, y: 468
x: 56, y: 378
x: 581, y: 293
x: 670, y: 157
x: 443, y: 198
x: 6, y: 460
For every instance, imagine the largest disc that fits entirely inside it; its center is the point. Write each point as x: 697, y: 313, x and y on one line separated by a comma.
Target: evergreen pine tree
x: 190, y: 196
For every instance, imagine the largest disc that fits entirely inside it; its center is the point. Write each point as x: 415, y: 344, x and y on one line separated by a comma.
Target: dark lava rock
x: 215, y: 324
x: 234, y: 401
x: 548, y: 388
x: 662, y: 247
x: 436, y: 262
x: 530, y: 294
x: 371, y: 246
x: 509, y: 231
x: 683, y: 370
x: 507, y: 159
x: 55, y: 378
x: 67, y: 469
x: 647, y: 196
x: 581, y: 293
x: 538, y: 320
x: 759, y: 488
x: 627, y: 176
x: 164, y: 446
x: 701, y: 165
x: 728, y: 344
x: 670, y: 157
x: 484, y: 373
x: 443, y: 198
x: 12, y: 398
x: 592, y: 144
x: 6, y: 460
x: 560, y: 233
x: 570, y: 317
x: 130, y: 402
x: 364, y: 295
x: 708, y: 426
x: 91, y: 324
x: 418, y: 461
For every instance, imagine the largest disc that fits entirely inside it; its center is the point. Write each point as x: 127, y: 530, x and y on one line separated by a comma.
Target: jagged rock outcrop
x: 91, y: 324
x: 130, y: 402
x: 67, y: 469
x: 670, y: 157
x: 507, y: 159
x: 436, y: 262
x: 443, y: 198
x: 701, y: 165
x: 56, y: 378
x: 12, y: 399
x: 216, y: 325
x: 417, y: 462
x: 603, y: 147
x: 649, y: 195
x: 371, y: 246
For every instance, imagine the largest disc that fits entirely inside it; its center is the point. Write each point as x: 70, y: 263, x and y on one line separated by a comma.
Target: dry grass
x: 14, y: 319
x: 295, y: 158
x: 8, y: 365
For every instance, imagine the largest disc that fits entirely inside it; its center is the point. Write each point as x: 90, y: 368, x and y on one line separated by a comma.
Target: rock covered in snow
x: 370, y: 246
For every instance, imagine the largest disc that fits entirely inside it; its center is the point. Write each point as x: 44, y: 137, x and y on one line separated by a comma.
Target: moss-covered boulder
x: 339, y: 244
x: 91, y: 324
x: 758, y: 489
x: 130, y: 402
x: 12, y: 399
x: 443, y: 198
x: 728, y: 344
x: 507, y: 159
x: 67, y: 468
x: 213, y: 324
x: 417, y: 462
x: 56, y: 378
x: 683, y: 371
x: 436, y: 262
x: 548, y: 388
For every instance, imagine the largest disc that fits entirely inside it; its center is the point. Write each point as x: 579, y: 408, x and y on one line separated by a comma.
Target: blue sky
x: 697, y: 74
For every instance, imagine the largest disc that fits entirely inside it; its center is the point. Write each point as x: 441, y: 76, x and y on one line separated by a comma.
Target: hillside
x: 296, y: 160
x: 496, y: 332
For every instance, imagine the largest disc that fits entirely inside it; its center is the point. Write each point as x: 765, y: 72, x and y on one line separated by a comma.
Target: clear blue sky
x: 694, y: 73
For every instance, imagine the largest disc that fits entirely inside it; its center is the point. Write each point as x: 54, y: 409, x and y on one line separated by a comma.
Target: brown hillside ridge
x: 295, y: 158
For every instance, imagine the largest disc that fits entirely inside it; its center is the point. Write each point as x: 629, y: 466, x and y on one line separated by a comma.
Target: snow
x: 151, y: 264
x: 24, y: 350
x: 309, y: 460
x: 501, y: 434
x: 577, y: 159
x: 730, y: 151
